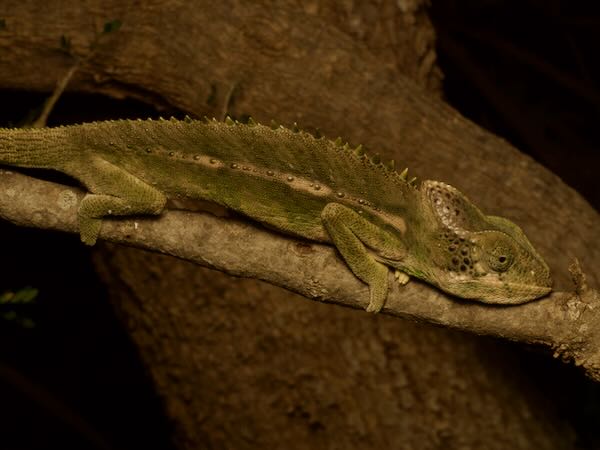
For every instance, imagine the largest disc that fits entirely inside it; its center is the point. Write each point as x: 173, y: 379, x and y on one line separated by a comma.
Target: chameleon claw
x: 373, y: 309
x: 401, y: 277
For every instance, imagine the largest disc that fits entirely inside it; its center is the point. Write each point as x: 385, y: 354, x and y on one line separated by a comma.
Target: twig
x: 41, y: 121
x: 109, y: 27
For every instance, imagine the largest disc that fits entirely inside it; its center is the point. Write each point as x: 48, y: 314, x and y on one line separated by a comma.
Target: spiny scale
x: 359, y: 151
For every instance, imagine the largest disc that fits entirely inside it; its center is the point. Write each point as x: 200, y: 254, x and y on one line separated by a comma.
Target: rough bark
x: 245, y: 365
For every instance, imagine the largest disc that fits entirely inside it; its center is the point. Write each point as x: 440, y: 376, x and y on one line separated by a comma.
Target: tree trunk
x: 241, y: 364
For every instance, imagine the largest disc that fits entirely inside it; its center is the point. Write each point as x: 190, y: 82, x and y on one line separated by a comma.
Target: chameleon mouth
x: 497, y: 292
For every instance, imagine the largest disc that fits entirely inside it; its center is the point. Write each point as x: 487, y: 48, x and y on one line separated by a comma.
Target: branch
x: 567, y: 323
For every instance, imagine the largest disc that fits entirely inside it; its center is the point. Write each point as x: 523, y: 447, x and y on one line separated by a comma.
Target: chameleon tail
x: 38, y: 148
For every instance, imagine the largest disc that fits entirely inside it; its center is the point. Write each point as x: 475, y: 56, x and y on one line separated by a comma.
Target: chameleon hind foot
x: 113, y: 192
x: 89, y: 229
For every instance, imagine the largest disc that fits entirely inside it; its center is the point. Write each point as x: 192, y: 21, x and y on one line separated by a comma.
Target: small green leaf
x: 26, y: 295
x: 23, y: 295
x: 5, y: 297
x: 9, y: 315
x: 112, y: 26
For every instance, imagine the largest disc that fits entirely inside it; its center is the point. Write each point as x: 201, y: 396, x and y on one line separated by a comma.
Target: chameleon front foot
x: 401, y: 277
x: 351, y: 233
x: 89, y: 229
x: 378, y: 289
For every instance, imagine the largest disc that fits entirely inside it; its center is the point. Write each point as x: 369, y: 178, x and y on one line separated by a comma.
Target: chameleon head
x: 480, y: 257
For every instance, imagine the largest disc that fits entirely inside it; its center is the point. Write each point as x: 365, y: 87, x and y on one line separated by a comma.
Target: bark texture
x: 241, y: 364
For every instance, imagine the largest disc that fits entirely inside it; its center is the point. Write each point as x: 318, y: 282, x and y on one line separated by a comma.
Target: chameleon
x: 299, y: 184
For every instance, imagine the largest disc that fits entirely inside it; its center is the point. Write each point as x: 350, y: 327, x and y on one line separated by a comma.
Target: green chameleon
x: 300, y: 185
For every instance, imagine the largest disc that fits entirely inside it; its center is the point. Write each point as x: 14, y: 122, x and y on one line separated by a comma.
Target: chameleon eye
x: 500, y: 258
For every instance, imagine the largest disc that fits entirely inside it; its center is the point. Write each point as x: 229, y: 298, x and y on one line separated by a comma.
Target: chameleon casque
x: 298, y: 184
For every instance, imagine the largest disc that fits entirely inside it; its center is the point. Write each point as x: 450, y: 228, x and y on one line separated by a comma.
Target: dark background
x: 74, y: 379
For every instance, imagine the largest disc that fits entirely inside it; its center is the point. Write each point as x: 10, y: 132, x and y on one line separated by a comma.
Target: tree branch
x: 567, y: 323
